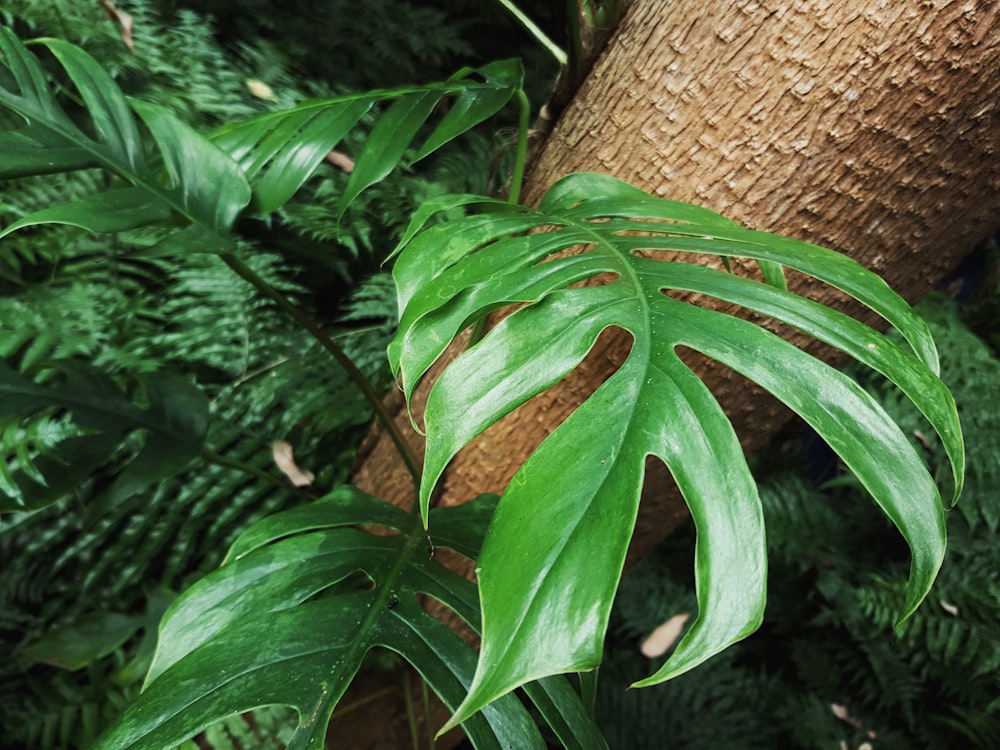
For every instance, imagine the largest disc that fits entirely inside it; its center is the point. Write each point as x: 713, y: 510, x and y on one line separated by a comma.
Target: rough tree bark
x: 866, y: 126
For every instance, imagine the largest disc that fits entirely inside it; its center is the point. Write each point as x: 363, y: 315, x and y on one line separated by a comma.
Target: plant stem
x: 540, y: 36
x: 357, y: 377
x: 428, y: 719
x: 410, y: 710
x: 521, y: 157
x: 588, y: 690
x: 576, y: 52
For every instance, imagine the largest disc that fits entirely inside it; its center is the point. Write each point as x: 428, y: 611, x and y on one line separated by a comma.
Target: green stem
x: 576, y: 54
x: 357, y: 377
x: 521, y: 157
x: 428, y: 719
x: 588, y: 690
x: 540, y: 36
x: 411, y: 713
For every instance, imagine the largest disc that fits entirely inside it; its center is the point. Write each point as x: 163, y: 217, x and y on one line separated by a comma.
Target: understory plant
x: 306, y: 593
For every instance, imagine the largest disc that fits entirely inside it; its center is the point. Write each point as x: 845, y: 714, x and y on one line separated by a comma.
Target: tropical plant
x: 305, y: 594
x: 826, y: 667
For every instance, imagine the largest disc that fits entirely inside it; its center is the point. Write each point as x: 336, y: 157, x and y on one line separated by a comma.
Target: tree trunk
x: 868, y: 127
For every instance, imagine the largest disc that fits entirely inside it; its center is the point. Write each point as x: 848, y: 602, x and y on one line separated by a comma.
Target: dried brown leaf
x: 124, y: 20
x: 660, y: 640
x: 284, y: 459
x: 340, y: 159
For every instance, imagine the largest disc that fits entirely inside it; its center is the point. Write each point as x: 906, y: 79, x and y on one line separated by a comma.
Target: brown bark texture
x: 868, y: 127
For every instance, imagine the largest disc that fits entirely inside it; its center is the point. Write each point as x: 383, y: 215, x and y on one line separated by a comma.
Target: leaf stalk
x: 356, y: 376
x: 558, y: 54
x: 521, y: 156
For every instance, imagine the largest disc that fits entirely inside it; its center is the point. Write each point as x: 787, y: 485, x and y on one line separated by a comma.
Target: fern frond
x: 217, y: 321
x: 185, y: 70
x: 373, y: 300
x: 981, y: 729
x: 971, y: 372
x: 23, y: 444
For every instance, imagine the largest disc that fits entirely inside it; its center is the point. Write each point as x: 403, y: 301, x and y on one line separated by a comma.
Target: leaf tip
x: 447, y: 727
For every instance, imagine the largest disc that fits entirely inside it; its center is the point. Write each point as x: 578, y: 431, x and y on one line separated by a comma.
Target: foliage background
x: 89, y: 584
x: 84, y: 586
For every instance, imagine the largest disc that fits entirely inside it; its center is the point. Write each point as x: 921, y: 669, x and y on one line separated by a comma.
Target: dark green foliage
x: 827, y: 666
x: 110, y: 303
x: 269, y: 383
x: 174, y: 61
x: 386, y: 42
x: 104, y: 301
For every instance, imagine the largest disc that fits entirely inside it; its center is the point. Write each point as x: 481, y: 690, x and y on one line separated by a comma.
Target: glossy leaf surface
x: 287, y: 620
x: 554, y: 553
x: 202, y: 183
x: 210, y: 181
x: 279, y: 151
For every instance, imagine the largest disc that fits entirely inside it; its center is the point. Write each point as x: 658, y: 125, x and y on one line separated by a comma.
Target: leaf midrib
x: 101, y: 153
x: 642, y: 342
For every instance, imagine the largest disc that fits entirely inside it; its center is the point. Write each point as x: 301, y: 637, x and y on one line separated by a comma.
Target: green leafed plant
x: 306, y: 594
x: 572, y: 505
x: 306, y: 571
x: 207, y: 186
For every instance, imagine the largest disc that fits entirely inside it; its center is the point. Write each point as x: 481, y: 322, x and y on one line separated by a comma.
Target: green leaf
x: 24, y: 156
x: 204, y: 184
x: 565, y: 712
x: 286, y: 621
x: 211, y: 181
x: 89, y: 638
x: 113, y: 211
x: 182, y: 414
x: 554, y: 553
x: 279, y: 151
x: 473, y: 105
x: 174, y: 420
x: 463, y: 527
x: 158, y: 598
x: 345, y: 506
x: 387, y: 142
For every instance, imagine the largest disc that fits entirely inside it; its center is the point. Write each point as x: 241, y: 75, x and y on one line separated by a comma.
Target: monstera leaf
x: 211, y: 181
x: 301, y: 600
x: 174, y: 421
x: 554, y: 552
